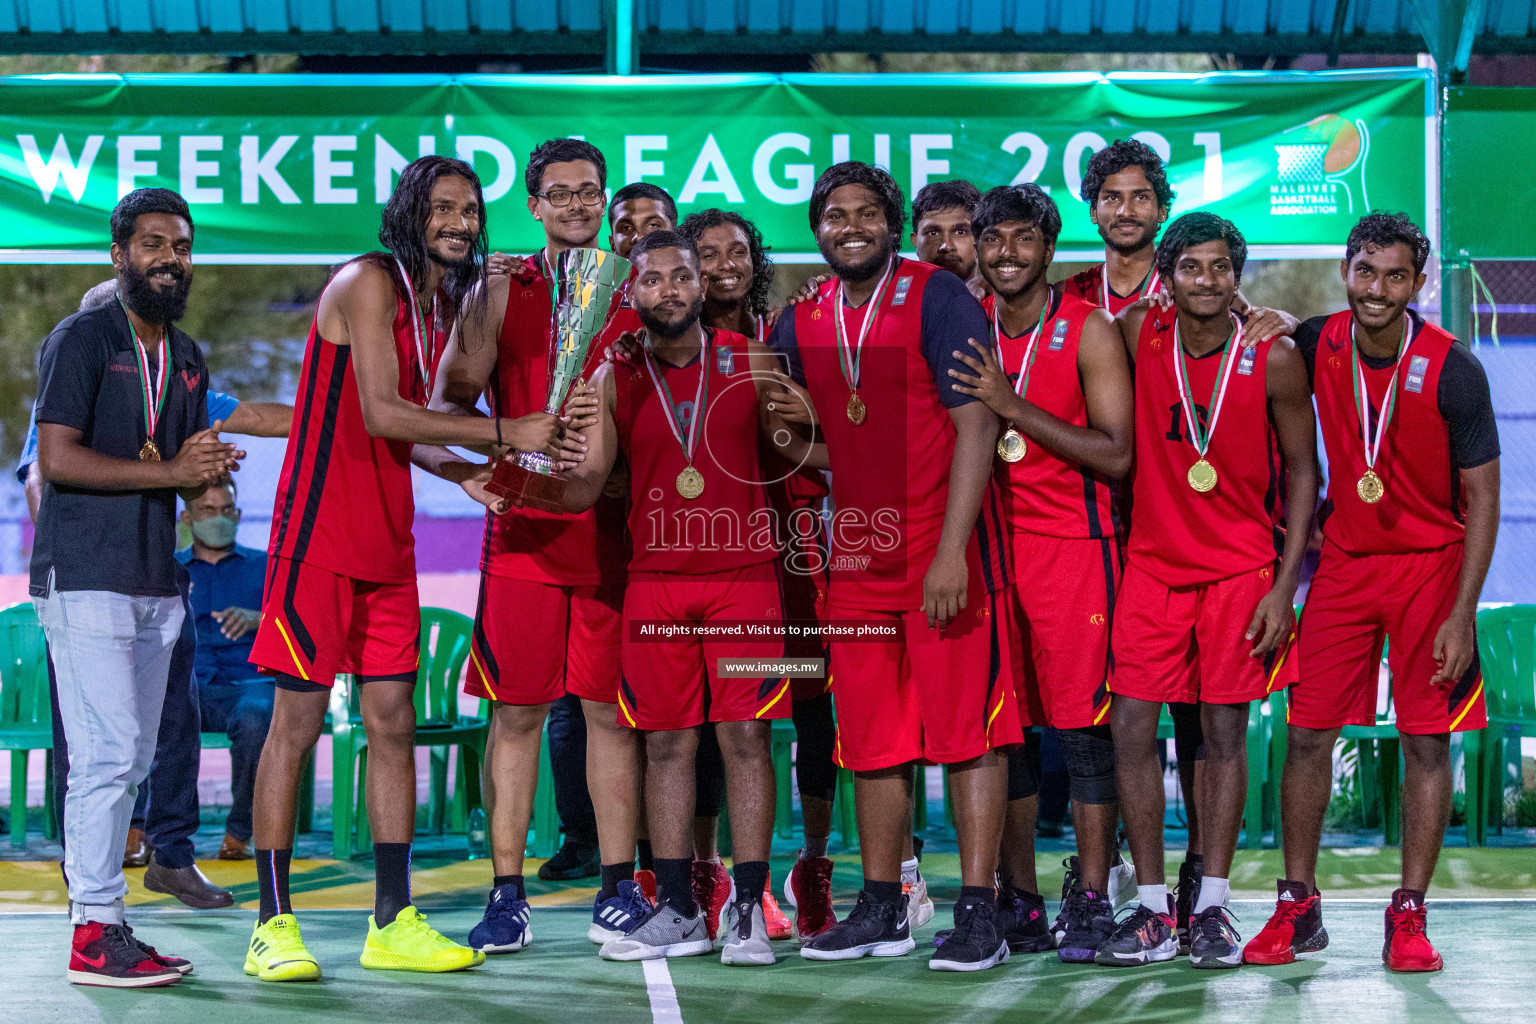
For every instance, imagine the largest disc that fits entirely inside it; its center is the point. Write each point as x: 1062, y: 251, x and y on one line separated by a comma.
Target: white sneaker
x: 915, y: 888
x: 664, y: 933
x: 745, y: 935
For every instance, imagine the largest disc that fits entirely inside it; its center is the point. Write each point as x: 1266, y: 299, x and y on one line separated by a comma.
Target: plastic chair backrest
x: 23, y: 669
x: 1506, y: 642
x: 445, y: 642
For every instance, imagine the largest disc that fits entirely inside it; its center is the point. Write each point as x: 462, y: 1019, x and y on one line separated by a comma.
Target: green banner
x: 1490, y: 147
x: 293, y: 169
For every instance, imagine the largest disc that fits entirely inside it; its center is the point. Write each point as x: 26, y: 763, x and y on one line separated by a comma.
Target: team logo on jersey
x: 191, y: 379
x: 1334, y: 362
x: 527, y: 294
x: 1096, y: 619
x: 1245, y: 363
x: 1155, y: 343
x: 1059, y: 335
x: 903, y: 285
x: 1417, y: 367
x: 1266, y: 572
x: 725, y: 361
x: 815, y: 314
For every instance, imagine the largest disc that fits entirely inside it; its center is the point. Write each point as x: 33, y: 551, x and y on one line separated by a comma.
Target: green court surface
x: 1489, y: 945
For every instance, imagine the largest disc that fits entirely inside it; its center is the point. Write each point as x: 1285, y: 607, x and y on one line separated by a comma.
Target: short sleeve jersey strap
x: 89, y: 380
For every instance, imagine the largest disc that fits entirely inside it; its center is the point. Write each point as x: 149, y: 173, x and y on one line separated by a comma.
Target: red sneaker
x: 809, y: 890
x: 646, y: 880
x: 107, y: 955
x: 1295, y: 927
x: 712, y: 886
x: 1407, y: 947
x: 175, y: 963
x: 778, y: 924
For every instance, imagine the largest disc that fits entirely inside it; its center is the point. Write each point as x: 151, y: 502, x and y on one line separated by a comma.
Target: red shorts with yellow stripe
x: 937, y: 697
x: 1064, y: 589
x: 1354, y: 604
x: 536, y: 642
x: 1191, y: 644
x: 316, y: 623
x: 676, y: 682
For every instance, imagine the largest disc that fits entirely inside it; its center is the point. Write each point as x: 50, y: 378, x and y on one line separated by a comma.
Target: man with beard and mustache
x: 1056, y: 374
x: 341, y: 577
x: 917, y: 532
x: 556, y: 578
x: 687, y: 420
x: 1204, y: 613
x: 941, y: 230
x: 122, y: 426
x: 1408, y: 532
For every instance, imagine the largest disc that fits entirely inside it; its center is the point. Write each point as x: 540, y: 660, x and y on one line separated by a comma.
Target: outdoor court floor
x: 1482, y: 918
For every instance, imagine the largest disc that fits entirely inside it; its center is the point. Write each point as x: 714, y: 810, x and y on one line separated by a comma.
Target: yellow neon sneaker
x: 410, y: 944
x: 277, y: 952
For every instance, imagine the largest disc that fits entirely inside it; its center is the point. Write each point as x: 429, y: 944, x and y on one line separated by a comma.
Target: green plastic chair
x: 26, y: 719
x: 1506, y: 641
x: 444, y: 650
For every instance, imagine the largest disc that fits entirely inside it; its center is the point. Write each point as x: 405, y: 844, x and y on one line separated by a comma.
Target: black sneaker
x: 1213, y: 941
x: 1024, y: 922
x: 1089, y: 921
x: 872, y: 929
x: 1072, y: 882
x: 1186, y: 895
x: 976, y: 943
x: 571, y: 861
x: 1144, y: 937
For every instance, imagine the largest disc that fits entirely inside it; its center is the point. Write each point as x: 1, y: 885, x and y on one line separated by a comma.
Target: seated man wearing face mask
x: 226, y: 606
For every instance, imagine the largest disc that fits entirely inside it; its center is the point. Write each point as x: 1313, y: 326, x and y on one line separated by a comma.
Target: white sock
x: 909, y: 869
x: 1153, y: 897
x: 1213, y: 893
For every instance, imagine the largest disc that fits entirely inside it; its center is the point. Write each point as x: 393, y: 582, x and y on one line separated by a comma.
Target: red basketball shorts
x: 536, y: 642
x: 316, y: 623
x: 676, y: 683
x: 1191, y: 645
x: 1356, y: 603
x: 1064, y: 593
x: 941, y: 698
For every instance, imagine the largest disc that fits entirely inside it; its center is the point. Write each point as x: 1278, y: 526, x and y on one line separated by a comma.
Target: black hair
x: 562, y: 151
x: 126, y: 214
x: 1380, y: 229
x: 664, y: 240
x: 1028, y: 203
x: 878, y: 181
x: 944, y: 195
x: 1194, y: 229
x: 762, y: 267
x: 643, y: 190
x: 1119, y: 155
x: 403, y: 230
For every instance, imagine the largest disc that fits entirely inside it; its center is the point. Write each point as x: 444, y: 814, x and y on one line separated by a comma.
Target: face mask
x: 215, y: 531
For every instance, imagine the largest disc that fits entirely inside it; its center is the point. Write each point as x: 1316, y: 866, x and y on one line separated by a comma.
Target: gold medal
x: 1370, y: 488
x: 690, y: 483
x: 856, y: 409
x: 1202, y: 476
x: 149, y: 453
x: 1011, y: 446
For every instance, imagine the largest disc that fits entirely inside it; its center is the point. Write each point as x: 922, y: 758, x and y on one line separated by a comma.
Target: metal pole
x: 623, y: 41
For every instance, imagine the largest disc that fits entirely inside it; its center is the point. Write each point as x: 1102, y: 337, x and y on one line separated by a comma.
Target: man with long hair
x: 341, y: 580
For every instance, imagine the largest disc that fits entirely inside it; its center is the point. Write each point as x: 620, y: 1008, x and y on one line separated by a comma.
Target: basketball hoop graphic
x: 1329, y: 159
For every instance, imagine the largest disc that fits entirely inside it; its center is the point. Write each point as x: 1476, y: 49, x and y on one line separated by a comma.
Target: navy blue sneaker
x: 504, y: 928
x: 616, y: 917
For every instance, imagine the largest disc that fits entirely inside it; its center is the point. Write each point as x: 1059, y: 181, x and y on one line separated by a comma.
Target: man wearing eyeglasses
x: 551, y: 586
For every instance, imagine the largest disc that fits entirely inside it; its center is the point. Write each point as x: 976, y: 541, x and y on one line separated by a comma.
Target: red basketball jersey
x: 890, y: 474
x: 1042, y: 492
x: 1421, y: 508
x: 726, y: 527
x: 1180, y: 536
x: 1090, y: 286
x: 344, y: 500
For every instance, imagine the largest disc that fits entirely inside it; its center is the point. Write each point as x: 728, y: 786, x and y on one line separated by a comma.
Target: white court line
x: 658, y: 986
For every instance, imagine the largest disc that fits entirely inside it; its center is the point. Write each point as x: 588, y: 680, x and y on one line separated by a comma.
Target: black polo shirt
x: 88, y: 378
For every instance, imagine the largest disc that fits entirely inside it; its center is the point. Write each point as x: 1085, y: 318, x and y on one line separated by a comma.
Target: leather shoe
x: 136, y: 852
x: 234, y: 849
x: 571, y: 862
x: 187, y: 884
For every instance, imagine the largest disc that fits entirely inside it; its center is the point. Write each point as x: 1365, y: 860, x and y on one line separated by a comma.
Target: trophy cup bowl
x: 587, y: 280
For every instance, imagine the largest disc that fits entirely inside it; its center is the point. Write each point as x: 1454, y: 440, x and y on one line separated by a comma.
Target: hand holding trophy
x: 587, y: 281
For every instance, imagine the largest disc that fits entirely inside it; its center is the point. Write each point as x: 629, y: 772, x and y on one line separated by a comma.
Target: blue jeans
x: 112, y: 656
x: 568, y: 763
x: 242, y: 710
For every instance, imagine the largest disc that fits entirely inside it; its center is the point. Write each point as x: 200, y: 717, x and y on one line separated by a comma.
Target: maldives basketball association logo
x: 1321, y: 168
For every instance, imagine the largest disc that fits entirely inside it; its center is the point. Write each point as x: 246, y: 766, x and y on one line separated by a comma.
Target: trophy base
x: 527, y: 489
